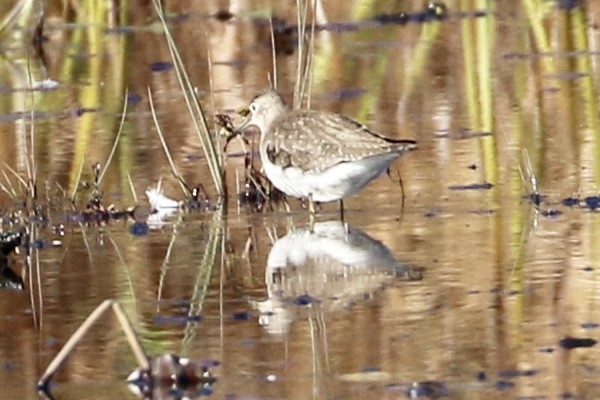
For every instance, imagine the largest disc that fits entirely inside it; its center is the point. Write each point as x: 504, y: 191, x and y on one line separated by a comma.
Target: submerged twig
x: 133, y: 340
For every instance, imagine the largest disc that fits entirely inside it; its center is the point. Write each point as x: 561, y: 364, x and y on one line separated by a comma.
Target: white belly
x: 335, y: 183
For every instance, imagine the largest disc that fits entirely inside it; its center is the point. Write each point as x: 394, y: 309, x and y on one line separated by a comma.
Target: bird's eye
x: 253, y: 108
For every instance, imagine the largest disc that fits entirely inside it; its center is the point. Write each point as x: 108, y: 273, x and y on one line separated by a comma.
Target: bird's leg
x: 342, y: 210
x: 311, y: 206
x: 311, y: 212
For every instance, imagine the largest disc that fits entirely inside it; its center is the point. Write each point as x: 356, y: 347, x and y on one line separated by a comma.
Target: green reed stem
x: 302, y: 62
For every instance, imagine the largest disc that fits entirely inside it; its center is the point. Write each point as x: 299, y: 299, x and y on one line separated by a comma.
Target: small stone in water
x: 515, y: 373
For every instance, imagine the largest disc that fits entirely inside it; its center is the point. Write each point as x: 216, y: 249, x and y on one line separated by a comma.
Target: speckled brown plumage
x: 316, y: 140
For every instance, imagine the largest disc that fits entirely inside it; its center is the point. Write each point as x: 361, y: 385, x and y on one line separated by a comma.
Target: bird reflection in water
x: 329, y: 267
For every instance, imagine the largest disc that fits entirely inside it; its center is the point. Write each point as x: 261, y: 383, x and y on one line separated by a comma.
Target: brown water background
x: 502, y: 281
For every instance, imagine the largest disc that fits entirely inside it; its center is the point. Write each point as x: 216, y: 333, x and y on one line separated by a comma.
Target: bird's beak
x: 247, y: 122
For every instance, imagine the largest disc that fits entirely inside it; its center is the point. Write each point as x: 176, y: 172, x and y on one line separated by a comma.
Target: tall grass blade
x: 116, y: 143
x: 174, y: 169
x: 213, y: 156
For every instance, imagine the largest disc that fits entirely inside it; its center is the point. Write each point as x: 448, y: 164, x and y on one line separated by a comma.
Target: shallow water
x: 471, y: 287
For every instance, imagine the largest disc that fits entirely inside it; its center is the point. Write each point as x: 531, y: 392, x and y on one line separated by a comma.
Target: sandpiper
x: 318, y: 155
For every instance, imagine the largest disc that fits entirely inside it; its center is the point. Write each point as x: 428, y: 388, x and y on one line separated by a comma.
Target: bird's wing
x: 314, y: 141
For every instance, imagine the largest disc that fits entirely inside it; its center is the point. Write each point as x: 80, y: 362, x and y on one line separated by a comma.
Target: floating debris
x: 515, y: 373
x: 160, y: 377
x: 139, y: 229
x: 179, y: 376
x: 469, y: 134
x: 46, y: 84
x: 473, y: 186
x: 241, y: 316
x: 160, y: 66
x: 223, y: 15
x: 547, y: 350
x: 570, y: 343
x: 434, y: 212
x: 176, y: 319
x: 592, y: 202
x: 305, y: 300
x: 535, y: 198
x: 570, y: 202
x: 159, y: 201
x: 133, y: 98
x: 429, y: 389
x: 372, y: 376
x: 551, y: 213
x: 504, y: 385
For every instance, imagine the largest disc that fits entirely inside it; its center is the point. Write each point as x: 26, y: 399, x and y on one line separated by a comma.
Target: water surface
x: 468, y: 285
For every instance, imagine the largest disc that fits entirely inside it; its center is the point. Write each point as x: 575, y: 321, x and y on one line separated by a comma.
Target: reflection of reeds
x: 204, y: 272
x: 478, y: 49
x: 213, y: 155
x: 561, y: 45
x: 418, y: 65
x: 90, y: 95
x: 587, y: 82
